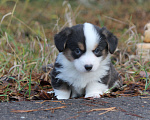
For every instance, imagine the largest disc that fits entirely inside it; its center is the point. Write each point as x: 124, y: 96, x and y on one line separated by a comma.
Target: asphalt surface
x: 122, y: 108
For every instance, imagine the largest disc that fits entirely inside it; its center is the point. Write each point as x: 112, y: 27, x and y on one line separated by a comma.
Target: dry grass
x: 26, y: 40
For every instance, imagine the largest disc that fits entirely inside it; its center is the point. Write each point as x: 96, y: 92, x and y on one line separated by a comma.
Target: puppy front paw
x: 62, y: 94
x: 93, y: 95
x: 62, y: 97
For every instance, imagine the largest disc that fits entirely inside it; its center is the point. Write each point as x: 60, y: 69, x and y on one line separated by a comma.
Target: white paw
x: 93, y: 95
x: 62, y: 97
x: 62, y: 94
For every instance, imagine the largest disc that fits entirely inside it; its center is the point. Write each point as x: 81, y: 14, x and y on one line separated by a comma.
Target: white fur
x: 78, y: 79
x: 62, y: 94
x: 91, y: 36
x: 95, y: 90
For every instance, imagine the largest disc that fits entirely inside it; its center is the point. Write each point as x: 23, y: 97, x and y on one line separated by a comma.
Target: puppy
x: 83, y: 65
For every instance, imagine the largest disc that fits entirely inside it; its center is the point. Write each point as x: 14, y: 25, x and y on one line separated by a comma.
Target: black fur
x: 69, y: 38
x: 110, y: 39
x: 111, y: 77
x: 61, y: 38
x: 58, y: 83
x: 76, y: 37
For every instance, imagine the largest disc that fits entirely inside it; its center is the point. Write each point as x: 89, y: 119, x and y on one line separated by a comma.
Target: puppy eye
x: 77, y: 51
x: 97, y: 51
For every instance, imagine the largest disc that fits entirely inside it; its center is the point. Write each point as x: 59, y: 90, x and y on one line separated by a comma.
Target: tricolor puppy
x: 83, y: 65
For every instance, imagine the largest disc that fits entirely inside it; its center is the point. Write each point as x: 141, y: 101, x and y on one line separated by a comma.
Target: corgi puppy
x: 83, y: 66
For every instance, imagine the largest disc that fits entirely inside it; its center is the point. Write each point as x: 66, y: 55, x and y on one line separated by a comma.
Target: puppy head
x: 86, y: 45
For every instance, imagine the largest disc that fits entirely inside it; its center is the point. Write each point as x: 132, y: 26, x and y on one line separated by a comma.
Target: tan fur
x: 68, y: 55
x: 81, y: 46
x: 104, y: 52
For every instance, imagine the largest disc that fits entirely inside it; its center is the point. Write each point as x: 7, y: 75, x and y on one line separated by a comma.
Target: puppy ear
x: 61, y: 38
x: 111, y: 40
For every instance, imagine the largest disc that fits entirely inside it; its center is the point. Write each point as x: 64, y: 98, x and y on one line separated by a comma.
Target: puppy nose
x: 88, y: 67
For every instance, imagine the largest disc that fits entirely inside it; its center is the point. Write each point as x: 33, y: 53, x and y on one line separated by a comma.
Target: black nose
x: 88, y: 67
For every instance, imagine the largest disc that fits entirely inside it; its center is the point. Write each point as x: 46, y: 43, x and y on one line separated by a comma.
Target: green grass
x: 27, y: 28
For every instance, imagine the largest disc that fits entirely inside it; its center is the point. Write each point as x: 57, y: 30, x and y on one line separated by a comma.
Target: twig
x: 24, y: 111
x: 116, y: 20
x: 109, y: 109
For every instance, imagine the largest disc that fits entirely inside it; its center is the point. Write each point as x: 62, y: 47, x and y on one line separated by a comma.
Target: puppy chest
x: 80, y: 80
x: 77, y: 81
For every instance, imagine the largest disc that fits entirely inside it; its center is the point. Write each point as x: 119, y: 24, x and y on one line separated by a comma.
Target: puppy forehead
x: 92, y: 37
